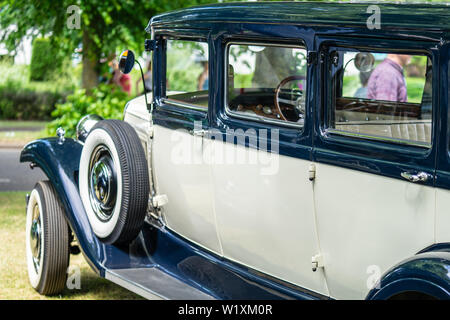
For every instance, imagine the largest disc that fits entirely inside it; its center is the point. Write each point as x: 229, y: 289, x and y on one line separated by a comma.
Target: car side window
x: 267, y: 82
x: 381, y: 95
x: 187, y: 73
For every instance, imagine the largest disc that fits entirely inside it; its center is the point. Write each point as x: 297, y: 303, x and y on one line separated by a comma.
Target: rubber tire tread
x: 56, y: 241
x: 135, y: 181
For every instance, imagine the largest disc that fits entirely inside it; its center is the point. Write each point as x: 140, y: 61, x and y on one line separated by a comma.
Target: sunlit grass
x: 21, y: 124
x: 14, y: 138
x: 13, y: 272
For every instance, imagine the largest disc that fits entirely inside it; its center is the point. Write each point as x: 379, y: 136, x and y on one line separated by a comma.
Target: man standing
x: 387, y: 81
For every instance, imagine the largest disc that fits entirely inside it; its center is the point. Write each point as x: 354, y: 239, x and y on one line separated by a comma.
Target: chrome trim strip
x: 181, y: 104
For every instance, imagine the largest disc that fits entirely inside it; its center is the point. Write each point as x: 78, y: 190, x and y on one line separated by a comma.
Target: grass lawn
x: 13, y: 270
x: 21, y: 124
x: 20, y: 137
x: 19, y: 133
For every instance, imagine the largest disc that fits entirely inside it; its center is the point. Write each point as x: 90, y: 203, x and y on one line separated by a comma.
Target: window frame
x: 261, y: 119
x: 329, y: 133
x: 165, y: 100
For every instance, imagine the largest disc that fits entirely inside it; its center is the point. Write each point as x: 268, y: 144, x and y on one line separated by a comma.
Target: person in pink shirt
x: 120, y: 79
x: 387, y: 81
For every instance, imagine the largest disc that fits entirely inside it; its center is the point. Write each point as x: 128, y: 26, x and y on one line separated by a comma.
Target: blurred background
x: 58, y: 61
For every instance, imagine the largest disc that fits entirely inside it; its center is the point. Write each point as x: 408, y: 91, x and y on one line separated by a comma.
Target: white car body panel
x: 367, y: 221
x: 266, y: 222
x: 442, y: 216
x: 190, y: 210
x: 137, y: 114
x: 232, y: 211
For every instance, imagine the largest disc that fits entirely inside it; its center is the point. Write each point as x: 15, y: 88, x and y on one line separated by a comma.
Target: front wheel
x: 47, y: 240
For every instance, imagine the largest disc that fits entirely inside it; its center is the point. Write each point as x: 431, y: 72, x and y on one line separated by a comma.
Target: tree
x: 104, y: 26
x: 43, y: 61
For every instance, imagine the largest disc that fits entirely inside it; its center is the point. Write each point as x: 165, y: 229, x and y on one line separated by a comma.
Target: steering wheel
x: 294, y: 103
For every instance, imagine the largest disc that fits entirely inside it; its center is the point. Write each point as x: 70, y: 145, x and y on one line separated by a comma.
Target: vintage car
x: 288, y: 150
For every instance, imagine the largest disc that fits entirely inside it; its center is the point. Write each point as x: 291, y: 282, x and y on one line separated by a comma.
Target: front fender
x: 60, y: 162
x: 426, y: 272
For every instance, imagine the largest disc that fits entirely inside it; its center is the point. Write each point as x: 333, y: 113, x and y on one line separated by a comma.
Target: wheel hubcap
x: 102, y: 183
x: 35, y: 237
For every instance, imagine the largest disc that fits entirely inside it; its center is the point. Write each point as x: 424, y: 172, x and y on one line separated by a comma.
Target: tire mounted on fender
x: 113, y: 181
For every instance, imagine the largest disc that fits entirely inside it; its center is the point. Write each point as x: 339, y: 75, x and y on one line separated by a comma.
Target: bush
x: 45, y: 61
x: 21, y: 103
x: 21, y: 99
x: 108, y: 101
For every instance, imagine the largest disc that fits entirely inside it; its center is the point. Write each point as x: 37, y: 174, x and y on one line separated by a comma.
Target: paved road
x: 16, y: 176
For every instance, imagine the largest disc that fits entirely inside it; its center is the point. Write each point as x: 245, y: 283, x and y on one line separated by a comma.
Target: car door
x: 375, y: 158
x: 179, y: 120
x: 261, y: 164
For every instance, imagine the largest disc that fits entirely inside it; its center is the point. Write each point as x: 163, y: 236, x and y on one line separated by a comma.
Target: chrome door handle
x: 419, y: 177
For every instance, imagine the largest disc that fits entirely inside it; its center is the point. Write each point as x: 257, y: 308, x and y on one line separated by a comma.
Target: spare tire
x: 114, y: 181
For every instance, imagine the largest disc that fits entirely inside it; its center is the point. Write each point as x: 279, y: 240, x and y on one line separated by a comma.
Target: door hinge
x: 317, y: 262
x: 312, y: 172
x: 150, y: 45
x: 159, y: 200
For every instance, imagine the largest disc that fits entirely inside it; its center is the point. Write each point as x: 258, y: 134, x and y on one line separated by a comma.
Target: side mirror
x: 364, y: 61
x: 126, y: 61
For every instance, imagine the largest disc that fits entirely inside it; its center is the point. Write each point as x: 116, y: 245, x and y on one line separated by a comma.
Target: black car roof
x: 417, y: 16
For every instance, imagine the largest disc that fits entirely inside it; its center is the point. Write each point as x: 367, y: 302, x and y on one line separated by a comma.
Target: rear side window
x: 187, y: 72
x: 381, y: 95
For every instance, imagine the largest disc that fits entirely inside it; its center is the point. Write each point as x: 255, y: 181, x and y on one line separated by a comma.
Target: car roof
x: 415, y: 16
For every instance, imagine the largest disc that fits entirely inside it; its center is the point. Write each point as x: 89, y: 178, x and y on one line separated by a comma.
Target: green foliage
x: 45, y: 61
x: 105, y: 26
x: 243, y: 80
x: 17, y: 102
x: 22, y: 99
x: 107, y: 101
x: 415, y: 87
x: 182, y: 70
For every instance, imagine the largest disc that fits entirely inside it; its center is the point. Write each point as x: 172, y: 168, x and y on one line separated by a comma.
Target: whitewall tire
x: 113, y: 181
x: 47, y: 240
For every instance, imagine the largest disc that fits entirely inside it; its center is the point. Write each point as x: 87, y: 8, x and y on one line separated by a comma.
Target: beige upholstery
x: 412, y: 130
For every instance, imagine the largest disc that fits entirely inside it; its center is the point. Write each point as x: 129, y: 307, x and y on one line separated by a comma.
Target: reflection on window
x: 187, y: 78
x: 383, y: 95
x: 267, y: 82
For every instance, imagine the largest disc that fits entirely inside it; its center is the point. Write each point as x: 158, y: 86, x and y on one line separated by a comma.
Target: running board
x: 154, y: 284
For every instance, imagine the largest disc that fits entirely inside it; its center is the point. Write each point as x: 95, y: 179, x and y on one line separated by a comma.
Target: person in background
x: 387, y: 81
x: 120, y: 79
x: 361, y: 92
x: 147, y: 80
x: 203, y: 78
